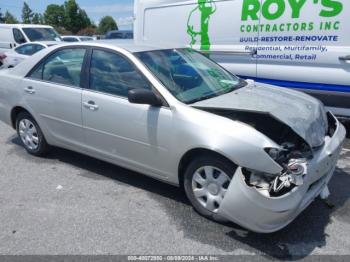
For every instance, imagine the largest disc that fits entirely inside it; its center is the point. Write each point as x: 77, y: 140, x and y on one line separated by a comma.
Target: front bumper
x: 247, y: 207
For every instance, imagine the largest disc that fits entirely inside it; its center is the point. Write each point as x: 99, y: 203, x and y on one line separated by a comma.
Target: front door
x: 129, y: 134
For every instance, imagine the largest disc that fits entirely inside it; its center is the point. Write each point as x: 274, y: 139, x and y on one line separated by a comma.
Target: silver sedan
x: 246, y: 152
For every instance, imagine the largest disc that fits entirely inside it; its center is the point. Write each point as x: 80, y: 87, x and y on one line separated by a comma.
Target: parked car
x: 120, y: 34
x: 303, y: 46
x: 254, y: 154
x: 72, y: 38
x: 2, y: 57
x: 15, y: 56
x: 12, y: 35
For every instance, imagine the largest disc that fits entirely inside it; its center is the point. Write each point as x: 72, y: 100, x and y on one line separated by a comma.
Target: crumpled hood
x: 302, y: 113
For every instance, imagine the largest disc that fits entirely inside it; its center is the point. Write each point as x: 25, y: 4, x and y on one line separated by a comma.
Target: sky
x: 120, y: 10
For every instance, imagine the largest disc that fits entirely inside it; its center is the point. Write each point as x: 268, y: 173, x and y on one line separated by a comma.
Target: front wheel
x: 206, y: 181
x: 31, y: 135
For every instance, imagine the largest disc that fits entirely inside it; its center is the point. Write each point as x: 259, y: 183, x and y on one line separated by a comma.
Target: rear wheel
x: 31, y: 135
x: 206, y: 181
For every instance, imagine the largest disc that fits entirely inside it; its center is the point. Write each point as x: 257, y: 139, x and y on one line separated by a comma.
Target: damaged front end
x: 266, y: 202
x: 292, y: 155
x: 277, y: 185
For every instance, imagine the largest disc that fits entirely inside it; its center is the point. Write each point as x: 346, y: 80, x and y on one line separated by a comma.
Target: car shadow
x: 98, y: 169
x: 298, y: 240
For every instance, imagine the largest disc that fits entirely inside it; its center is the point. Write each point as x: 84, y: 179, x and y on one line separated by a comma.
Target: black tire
x: 42, y: 146
x: 206, y: 160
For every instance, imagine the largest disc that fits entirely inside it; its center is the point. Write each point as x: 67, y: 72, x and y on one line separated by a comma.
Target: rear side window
x: 18, y: 36
x: 63, y: 67
x: 29, y: 49
x: 113, y: 74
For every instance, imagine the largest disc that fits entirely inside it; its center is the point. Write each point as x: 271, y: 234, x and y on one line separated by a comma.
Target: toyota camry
x: 245, y: 152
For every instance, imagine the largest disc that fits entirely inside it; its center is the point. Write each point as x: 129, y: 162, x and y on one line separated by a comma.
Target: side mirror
x: 144, y: 96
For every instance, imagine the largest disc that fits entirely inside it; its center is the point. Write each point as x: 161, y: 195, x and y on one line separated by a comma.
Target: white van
x: 301, y: 44
x: 12, y: 35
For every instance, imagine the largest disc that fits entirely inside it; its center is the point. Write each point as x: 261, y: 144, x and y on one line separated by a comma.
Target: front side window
x: 189, y: 75
x: 41, y: 34
x: 63, y: 67
x: 18, y: 36
x: 113, y: 74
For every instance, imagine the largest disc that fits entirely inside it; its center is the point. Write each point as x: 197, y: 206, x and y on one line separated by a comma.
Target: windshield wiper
x: 205, y: 97
x: 240, y: 84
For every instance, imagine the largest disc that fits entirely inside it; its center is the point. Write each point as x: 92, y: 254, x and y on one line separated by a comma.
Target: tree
x: 10, y: 18
x: 54, y: 15
x: 2, y: 19
x: 74, y: 17
x: 37, y: 19
x: 107, y: 23
x: 27, y: 14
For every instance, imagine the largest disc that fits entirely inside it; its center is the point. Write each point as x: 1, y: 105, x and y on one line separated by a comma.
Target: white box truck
x: 302, y: 44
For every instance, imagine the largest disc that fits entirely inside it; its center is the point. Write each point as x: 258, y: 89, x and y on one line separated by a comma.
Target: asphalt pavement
x: 69, y: 203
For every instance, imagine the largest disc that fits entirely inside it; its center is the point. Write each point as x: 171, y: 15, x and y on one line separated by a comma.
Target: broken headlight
x: 278, y: 185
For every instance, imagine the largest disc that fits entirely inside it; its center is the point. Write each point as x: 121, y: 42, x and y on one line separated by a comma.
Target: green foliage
x: 74, y: 17
x: 2, y: 19
x: 107, y: 23
x: 54, y: 15
x: 27, y: 14
x: 38, y: 19
x: 10, y: 18
x: 68, y: 18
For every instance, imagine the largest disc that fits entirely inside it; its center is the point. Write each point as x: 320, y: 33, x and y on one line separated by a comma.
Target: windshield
x: 41, y: 34
x: 189, y: 75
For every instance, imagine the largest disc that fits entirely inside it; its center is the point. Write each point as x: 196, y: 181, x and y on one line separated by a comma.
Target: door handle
x: 91, y: 105
x: 345, y: 58
x: 30, y: 90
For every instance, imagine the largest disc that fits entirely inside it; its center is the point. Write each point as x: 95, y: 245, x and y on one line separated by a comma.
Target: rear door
x: 53, y: 93
x: 306, y: 46
x: 214, y: 27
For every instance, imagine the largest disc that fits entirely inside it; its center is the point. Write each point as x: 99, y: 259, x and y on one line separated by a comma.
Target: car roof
x: 23, y: 26
x: 126, y: 44
x: 47, y: 43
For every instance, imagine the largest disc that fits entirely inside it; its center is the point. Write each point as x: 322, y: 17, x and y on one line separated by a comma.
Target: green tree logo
x: 204, y: 8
